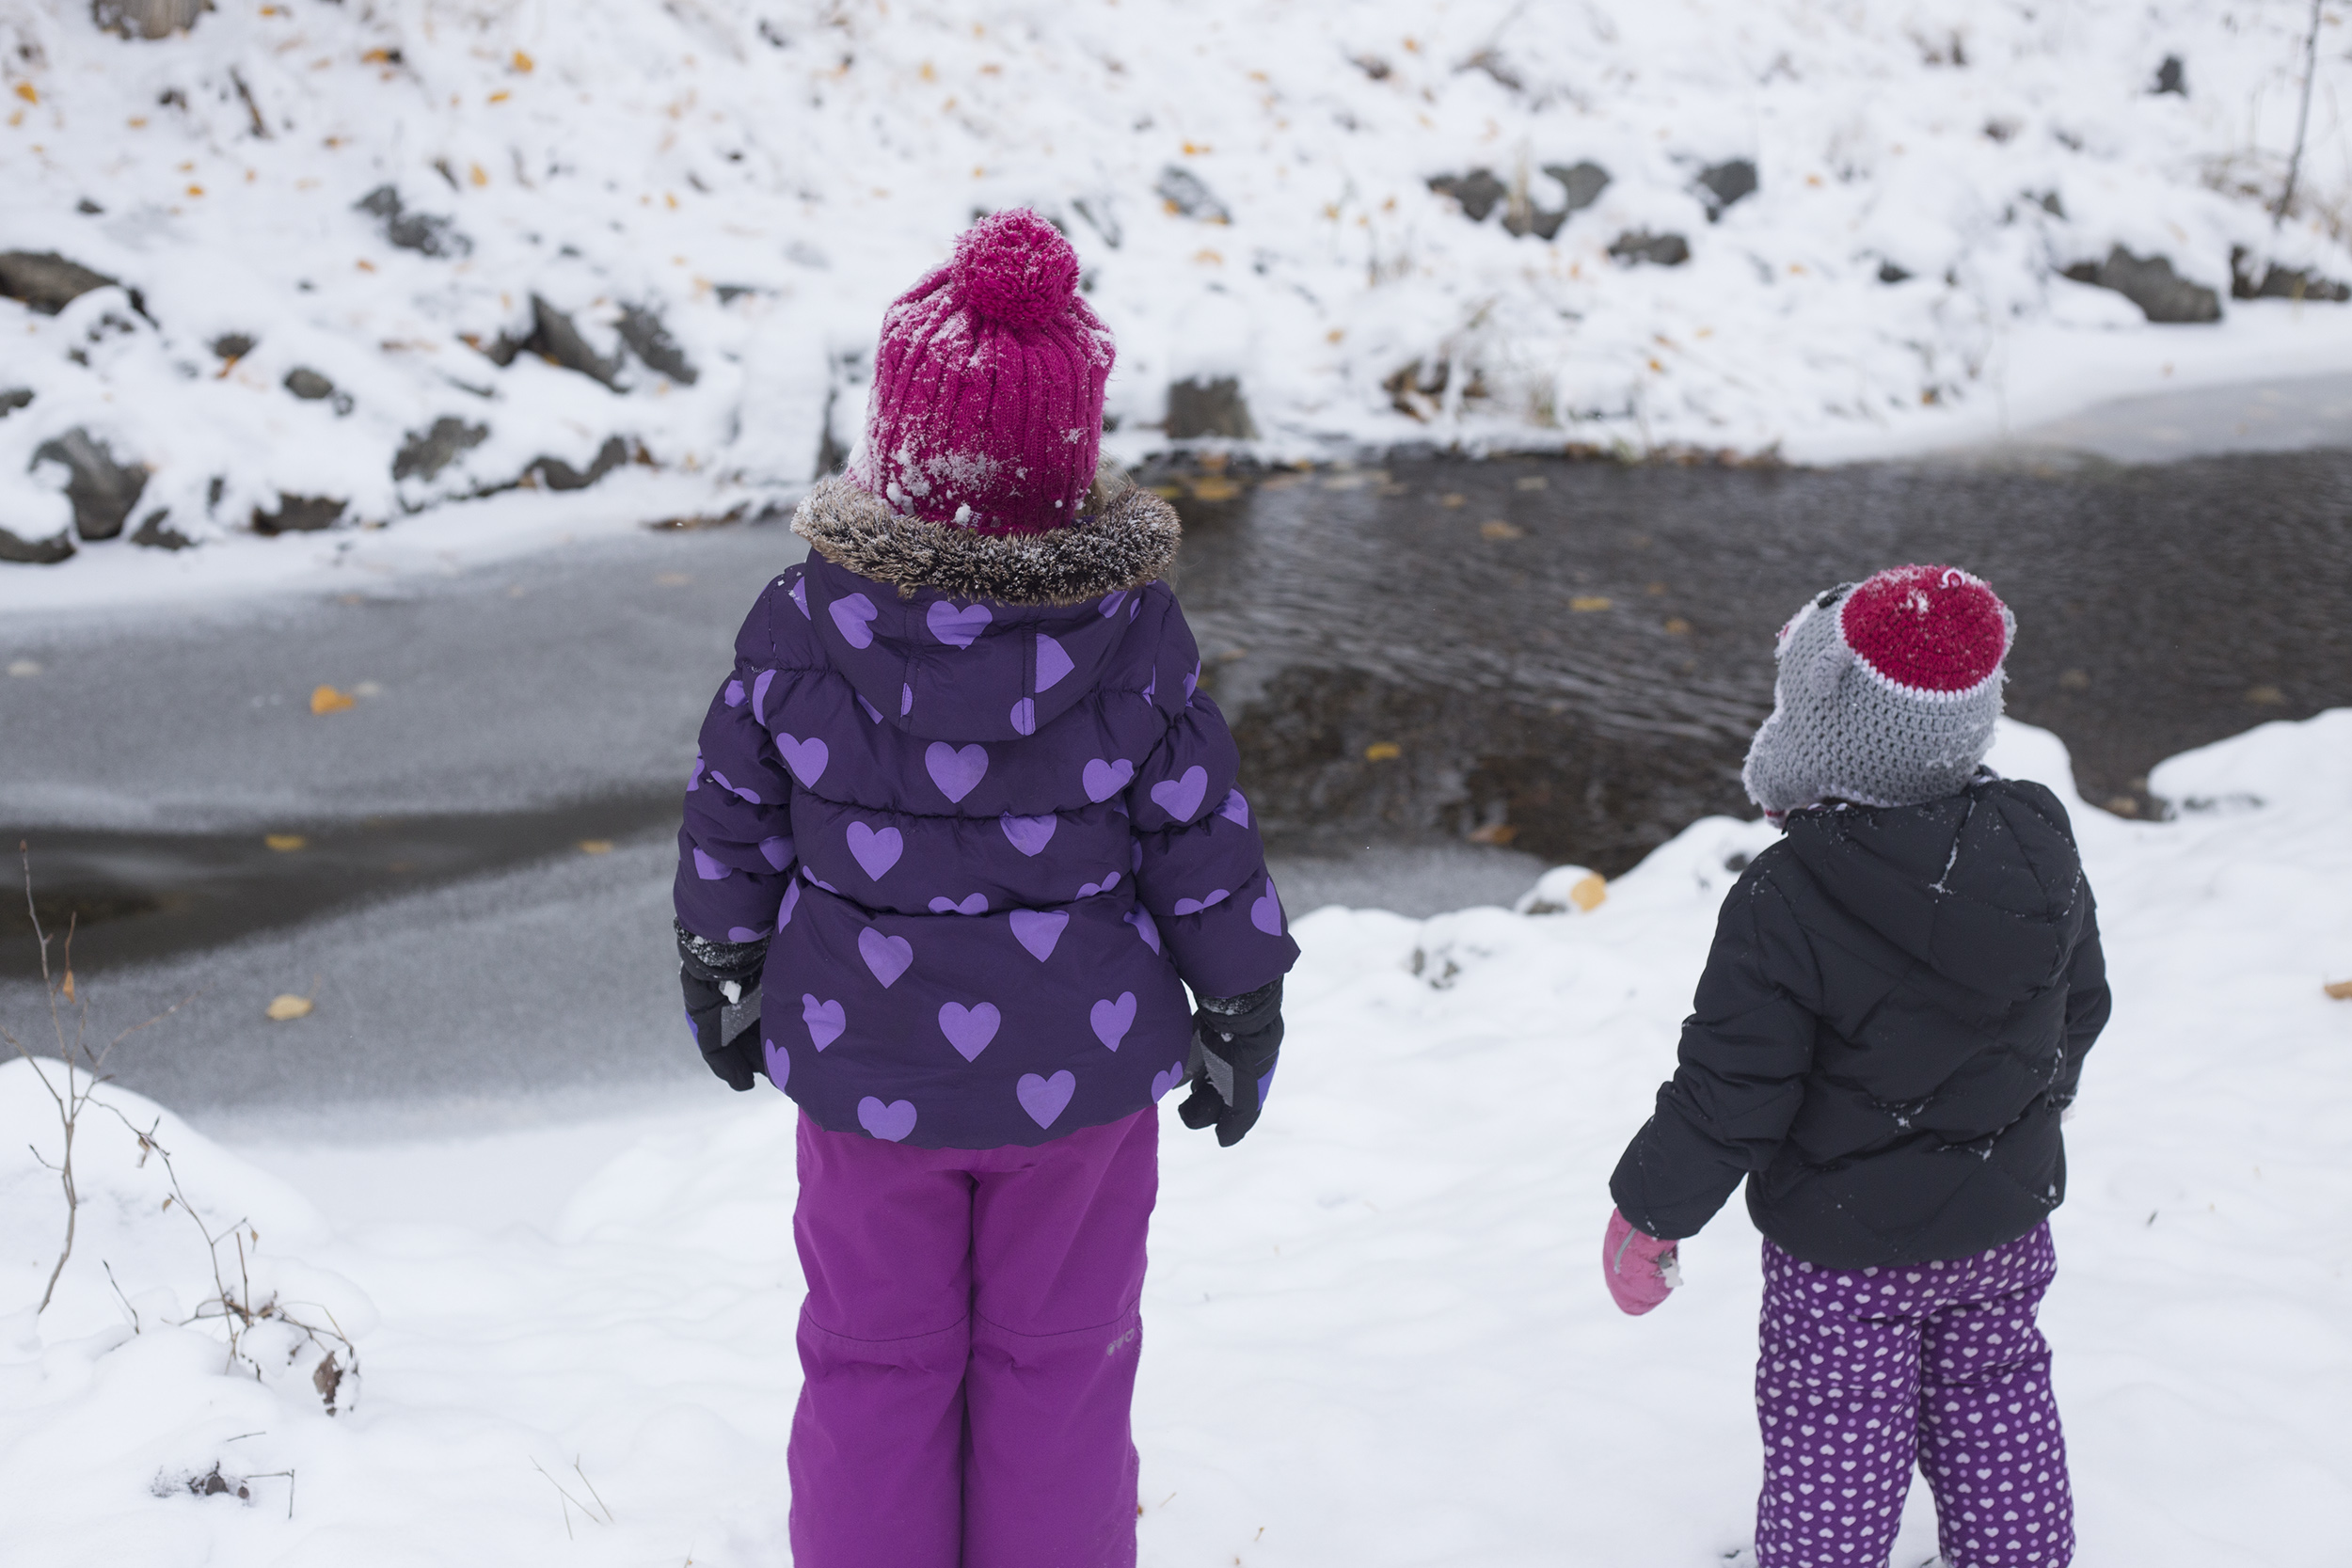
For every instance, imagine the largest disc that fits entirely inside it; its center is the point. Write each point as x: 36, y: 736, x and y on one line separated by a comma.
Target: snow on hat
x: 1886, y: 694
x: 987, y: 408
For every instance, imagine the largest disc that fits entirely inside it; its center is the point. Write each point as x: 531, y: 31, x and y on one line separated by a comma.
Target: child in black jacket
x: 1891, y: 1023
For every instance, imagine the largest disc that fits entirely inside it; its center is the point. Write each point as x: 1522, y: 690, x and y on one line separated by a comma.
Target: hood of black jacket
x: 1982, y: 887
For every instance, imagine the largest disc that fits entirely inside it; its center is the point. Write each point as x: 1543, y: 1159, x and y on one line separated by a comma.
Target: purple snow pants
x: 1866, y: 1371
x: 969, y: 1347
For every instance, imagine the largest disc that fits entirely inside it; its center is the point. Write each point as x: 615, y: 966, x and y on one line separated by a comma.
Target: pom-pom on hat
x: 987, y: 408
x: 1887, y: 692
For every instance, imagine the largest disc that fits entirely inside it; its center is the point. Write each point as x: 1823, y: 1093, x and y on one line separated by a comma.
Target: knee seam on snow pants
x: 1127, y: 1320
x: 850, y: 1344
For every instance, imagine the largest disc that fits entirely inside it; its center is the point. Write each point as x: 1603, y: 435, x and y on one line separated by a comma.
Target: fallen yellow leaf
x: 1449, y: 503
x: 1495, y: 834
x: 285, y: 1010
x: 286, y: 844
x: 28, y: 93
x: 1588, y: 893
x: 475, y: 173
x: 595, y: 845
x: 1585, y: 603
x: 2340, y: 989
x: 523, y: 61
x: 1500, y: 530
x: 325, y: 699
x: 1383, y: 750
x: 1677, y: 625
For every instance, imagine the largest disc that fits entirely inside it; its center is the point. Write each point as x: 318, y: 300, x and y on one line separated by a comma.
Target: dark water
x: 1571, y: 658
x: 1438, y: 658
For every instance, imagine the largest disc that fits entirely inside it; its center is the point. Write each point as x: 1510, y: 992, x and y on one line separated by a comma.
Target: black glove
x: 1235, y: 1043
x: 707, y: 970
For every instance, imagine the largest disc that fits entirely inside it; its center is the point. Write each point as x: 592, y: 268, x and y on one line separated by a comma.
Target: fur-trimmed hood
x: 1125, y: 539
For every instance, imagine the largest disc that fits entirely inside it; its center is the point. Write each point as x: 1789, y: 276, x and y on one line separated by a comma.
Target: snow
x: 764, y: 175
x: 1375, y: 1335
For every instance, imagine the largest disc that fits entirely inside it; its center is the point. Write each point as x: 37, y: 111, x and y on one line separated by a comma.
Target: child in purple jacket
x: 965, y: 823
x: 1891, y: 1025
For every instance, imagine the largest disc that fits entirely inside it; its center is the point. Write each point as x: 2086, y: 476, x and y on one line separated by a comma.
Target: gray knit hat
x: 1886, y: 694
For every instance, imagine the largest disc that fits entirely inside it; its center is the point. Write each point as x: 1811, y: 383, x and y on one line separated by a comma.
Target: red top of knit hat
x: 1014, y: 270
x: 1933, y: 628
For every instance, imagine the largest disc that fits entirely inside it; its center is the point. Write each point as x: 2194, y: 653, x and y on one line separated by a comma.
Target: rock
x: 14, y: 398
x: 102, y: 491
x: 1727, y: 183
x: 2171, y: 76
x: 642, y: 331
x: 2162, y: 294
x: 423, y: 456
x: 1476, y: 192
x: 157, y: 533
x: 147, y: 19
x: 1583, y: 182
x: 311, y: 387
x: 35, y: 552
x: 1184, y: 193
x: 422, y: 232
x: 46, y: 281
x: 1666, y: 250
x: 555, y: 338
x: 298, y: 515
x: 556, y: 474
x: 1196, y: 408
x: 1890, y: 273
x: 232, y: 345
x: 2277, y: 282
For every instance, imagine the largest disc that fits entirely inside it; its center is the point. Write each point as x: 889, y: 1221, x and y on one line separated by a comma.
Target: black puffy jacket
x: 1894, y: 1013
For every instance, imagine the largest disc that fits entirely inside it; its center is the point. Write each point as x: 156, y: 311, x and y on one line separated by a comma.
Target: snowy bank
x: 1374, y: 1332
x: 317, y: 266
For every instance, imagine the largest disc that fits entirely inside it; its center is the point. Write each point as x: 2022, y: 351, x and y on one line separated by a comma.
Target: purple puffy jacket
x: 968, y: 783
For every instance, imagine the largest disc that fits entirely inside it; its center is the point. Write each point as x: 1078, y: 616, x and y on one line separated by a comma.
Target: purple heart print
x: 888, y: 957
x: 1194, y: 905
x: 906, y: 699
x: 974, y: 904
x: 709, y: 869
x: 958, y: 628
x: 776, y: 852
x: 1164, y: 1080
x: 853, y: 613
x: 779, y: 1063
x: 875, y: 852
x: 742, y: 933
x: 1181, y: 798
x: 1044, y: 1098
x: 889, y: 1122
x: 760, y: 694
x: 786, y: 905
x: 969, y: 1029
x: 1024, y: 717
x: 825, y: 1020
x: 1039, y: 930
x: 1266, y: 913
x: 1235, y: 810
x: 800, y: 596
x: 733, y: 695
x: 1104, y: 779
x: 1029, y: 834
x: 1052, y: 663
x: 1140, y: 918
x: 873, y: 714
x: 806, y: 759
x: 1112, y: 1020
x: 956, y: 771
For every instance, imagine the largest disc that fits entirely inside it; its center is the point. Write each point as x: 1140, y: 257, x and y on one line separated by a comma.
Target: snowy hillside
x: 319, y: 264
x: 1376, y: 1334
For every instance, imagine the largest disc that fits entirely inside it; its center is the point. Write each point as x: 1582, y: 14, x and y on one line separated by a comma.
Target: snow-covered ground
x: 711, y: 200
x: 1375, y: 1336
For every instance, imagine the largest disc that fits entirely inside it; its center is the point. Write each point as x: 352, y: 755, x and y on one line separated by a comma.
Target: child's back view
x: 1892, y: 1020
x: 963, y: 817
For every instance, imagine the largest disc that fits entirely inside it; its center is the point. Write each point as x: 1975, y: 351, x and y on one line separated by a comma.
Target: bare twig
x: 2302, y: 119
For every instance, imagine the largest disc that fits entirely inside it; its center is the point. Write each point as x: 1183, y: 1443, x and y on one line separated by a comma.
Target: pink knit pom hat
x: 1888, y: 694
x: 987, y: 409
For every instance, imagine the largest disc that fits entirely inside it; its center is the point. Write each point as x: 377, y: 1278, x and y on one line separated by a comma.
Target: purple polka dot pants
x: 1865, y: 1372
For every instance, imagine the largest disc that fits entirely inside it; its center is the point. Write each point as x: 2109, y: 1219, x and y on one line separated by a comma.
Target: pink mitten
x: 1640, y: 1268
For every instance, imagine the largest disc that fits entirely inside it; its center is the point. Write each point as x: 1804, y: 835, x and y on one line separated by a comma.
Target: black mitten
x: 708, y: 972
x: 1235, y: 1043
